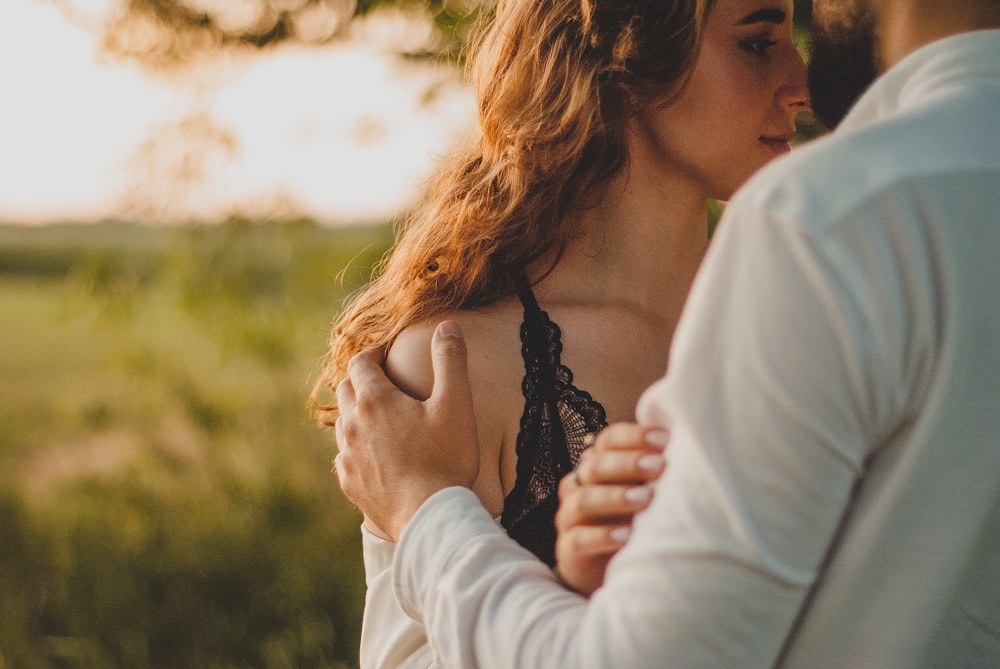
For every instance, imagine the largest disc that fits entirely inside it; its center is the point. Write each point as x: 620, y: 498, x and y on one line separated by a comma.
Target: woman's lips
x: 779, y: 145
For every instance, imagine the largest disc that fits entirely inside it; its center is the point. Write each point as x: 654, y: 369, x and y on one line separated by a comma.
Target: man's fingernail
x: 449, y: 329
x: 620, y: 534
x: 658, y: 438
x: 651, y: 463
x: 639, y: 495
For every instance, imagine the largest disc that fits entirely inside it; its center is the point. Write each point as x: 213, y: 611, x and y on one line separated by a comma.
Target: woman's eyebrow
x: 764, y: 15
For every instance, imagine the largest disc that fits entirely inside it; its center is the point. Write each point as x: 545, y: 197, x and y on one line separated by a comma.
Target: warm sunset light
x: 340, y: 133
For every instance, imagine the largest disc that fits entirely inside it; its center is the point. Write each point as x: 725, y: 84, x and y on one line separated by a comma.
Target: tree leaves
x: 166, y: 32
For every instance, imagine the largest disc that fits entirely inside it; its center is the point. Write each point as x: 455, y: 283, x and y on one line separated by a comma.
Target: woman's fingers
x: 602, y: 505
x: 619, y: 468
x: 597, y: 541
x: 624, y: 436
x: 599, y: 499
x: 624, y: 453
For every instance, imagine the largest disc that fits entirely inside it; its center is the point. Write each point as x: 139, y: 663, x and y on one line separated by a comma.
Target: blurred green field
x: 165, y: 495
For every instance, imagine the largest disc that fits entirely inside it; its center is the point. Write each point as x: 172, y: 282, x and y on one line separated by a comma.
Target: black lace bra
x: 557, y: 416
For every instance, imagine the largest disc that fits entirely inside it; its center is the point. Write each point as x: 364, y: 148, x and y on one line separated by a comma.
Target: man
x: 833, y: 494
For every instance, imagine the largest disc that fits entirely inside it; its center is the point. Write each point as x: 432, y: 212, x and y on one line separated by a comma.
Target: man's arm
x: 396, y: 451
x: 389, y: 638
x: 771, y: 400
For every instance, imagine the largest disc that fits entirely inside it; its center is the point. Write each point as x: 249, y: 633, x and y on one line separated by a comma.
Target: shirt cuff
x: 440, y: 527
x: 377, y: 554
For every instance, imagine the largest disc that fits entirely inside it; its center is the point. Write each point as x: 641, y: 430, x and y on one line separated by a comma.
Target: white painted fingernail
x: 658, y: 438
x: 639, y: 495
x: 620, y: 534
x: 651, y: 463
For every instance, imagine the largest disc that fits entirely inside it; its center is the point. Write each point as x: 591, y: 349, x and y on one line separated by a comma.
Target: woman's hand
x: 599, y: 499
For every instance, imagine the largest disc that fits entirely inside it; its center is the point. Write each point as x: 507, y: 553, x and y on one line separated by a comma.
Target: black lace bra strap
x: 541, y: 344
x: 557, y: 415
x: 531, y: 309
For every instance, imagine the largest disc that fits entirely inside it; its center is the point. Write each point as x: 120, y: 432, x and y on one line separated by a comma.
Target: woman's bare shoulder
x: 495, y: 373
x: 491, y: 336
x: 408, y: 363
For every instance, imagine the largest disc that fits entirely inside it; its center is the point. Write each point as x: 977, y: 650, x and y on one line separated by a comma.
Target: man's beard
x: 842, y: 65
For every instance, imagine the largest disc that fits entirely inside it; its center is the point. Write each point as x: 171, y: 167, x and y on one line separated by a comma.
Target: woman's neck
x: 641, y: 245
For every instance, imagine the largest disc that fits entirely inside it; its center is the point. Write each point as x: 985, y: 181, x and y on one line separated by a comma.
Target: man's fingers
x: 345, y: 395
x: 366, y: 376
x: 451, y: 365
x: 340, y: 434
x: 341, y: 468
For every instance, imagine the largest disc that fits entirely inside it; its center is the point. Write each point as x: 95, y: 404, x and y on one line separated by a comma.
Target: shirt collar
x: 972, y: 55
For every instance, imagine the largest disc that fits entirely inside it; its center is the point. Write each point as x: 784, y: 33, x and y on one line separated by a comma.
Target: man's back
x: 834, y: 396
x: 913, y: 578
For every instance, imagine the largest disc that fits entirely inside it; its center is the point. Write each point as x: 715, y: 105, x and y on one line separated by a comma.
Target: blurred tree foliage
x: 165, y: 31
x: 172, y: 31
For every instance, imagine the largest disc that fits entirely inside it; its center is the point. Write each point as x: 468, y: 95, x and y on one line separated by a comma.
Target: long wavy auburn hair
x: 555, y: 82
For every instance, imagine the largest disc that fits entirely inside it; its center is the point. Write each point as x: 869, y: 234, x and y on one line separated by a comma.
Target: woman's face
x: 738, y: 109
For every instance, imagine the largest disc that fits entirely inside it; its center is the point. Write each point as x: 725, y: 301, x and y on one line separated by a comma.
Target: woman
x: 567, y: 235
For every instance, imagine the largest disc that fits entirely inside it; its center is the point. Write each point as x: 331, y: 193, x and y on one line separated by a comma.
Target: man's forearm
x: 478, y: 592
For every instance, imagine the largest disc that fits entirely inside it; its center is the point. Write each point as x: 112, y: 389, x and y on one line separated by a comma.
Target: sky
x: 342, y: 133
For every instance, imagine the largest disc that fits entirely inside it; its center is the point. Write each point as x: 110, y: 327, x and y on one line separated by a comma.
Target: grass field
x: 165, y: 496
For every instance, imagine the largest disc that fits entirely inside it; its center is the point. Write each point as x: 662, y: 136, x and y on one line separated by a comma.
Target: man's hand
x: 395, y: 451
x: 598, y: 501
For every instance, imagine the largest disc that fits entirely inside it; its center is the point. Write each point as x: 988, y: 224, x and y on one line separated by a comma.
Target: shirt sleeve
x: 390, y: 639
x: 772, y: 389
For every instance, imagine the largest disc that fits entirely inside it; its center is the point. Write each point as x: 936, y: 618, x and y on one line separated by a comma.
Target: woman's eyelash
x: 757, y: 45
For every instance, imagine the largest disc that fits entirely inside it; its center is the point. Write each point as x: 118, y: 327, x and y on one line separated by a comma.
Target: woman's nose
x: 794, y: 92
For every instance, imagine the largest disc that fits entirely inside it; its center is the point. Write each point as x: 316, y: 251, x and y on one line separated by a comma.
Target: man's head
x: 844, y: 56
x: 854, y: 40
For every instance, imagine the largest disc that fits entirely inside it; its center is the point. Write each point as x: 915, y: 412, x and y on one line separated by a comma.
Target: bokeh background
x: 188, y: 191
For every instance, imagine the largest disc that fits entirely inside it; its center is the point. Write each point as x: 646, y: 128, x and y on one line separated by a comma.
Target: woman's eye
x: 757, y: 45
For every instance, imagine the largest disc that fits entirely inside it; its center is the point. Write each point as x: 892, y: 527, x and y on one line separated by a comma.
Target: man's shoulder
x: 834, y: 175
x: 820, y: 181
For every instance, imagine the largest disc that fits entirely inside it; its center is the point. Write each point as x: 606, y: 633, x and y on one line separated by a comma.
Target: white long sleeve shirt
x: 833, y: 494
x: 389, y: 638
